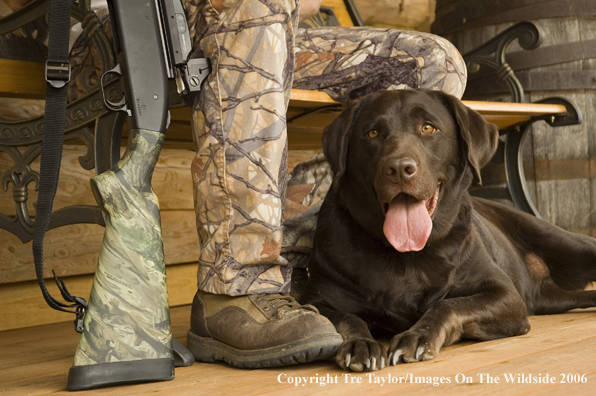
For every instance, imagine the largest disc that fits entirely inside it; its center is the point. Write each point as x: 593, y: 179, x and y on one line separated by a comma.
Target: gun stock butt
x: 127, y: 336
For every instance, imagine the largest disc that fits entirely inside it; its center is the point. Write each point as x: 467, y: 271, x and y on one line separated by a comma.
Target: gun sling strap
x: 57, y: 77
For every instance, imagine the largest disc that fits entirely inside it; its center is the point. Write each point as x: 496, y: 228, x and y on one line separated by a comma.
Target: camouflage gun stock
x: 127, y: 335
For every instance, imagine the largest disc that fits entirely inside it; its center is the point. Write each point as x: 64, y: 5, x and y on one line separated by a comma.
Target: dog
x: 401, y: 247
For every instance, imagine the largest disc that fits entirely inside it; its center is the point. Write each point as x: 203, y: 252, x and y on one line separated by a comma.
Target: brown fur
x: 485, y: 266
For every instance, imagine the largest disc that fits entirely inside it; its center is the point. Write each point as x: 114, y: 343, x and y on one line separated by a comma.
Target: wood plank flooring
x: 36, y: 360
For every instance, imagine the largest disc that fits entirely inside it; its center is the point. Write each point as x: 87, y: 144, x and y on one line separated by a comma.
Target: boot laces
x: 284, y: 303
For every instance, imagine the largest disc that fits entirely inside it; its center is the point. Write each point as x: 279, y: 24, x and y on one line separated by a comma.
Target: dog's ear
x: 480, y: 137
x: 335, y: 140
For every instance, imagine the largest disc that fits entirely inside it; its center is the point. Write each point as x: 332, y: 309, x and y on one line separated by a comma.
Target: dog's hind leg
x: 553, y: 300
x: 570, y: 257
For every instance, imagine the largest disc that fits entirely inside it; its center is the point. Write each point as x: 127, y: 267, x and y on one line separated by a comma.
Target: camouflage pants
x: 240, y: 169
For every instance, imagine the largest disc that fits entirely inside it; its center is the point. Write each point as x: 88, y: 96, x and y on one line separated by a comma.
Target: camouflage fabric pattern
x: 351, y: 62
x: 239, y: 127
x: 85, y: 61
x: 128, y: 317
x: 309, y: 183
x: 240, y: 135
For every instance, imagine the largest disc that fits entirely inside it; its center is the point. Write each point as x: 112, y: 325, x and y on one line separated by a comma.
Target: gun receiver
x: 149, y: 51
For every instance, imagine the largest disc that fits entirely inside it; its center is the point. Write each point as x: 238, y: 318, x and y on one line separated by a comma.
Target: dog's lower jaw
x: 431, y: 204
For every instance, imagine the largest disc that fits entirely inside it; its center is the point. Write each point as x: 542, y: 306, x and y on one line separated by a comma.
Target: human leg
x: 351, y: 62
x: 242, y: 313
x: 240, y: 137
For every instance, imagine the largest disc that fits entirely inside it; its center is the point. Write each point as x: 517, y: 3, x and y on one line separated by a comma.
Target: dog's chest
x: 406, y: 294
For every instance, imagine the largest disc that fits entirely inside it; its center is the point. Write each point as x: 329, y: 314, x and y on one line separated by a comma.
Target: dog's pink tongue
x: 407, y: 223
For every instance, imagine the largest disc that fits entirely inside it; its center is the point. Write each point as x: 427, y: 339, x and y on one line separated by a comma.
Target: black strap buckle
x: 58, y: 73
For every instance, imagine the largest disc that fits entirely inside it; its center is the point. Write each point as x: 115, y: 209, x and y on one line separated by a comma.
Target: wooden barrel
x: 560, y: 163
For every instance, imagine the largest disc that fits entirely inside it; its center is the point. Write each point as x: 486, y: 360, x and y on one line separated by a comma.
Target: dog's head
x: 402, y: 160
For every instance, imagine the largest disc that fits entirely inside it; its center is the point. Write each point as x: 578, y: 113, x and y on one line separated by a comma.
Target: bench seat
x: 308, y: 114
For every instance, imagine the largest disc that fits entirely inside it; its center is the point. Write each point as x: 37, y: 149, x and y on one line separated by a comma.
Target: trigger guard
x: 114, y: 106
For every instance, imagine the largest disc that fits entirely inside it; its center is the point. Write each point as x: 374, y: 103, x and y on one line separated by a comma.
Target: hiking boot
x: 254, y: 331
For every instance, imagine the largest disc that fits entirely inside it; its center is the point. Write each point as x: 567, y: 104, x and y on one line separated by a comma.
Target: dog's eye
x: 372, y: 134
x: 427, y: 128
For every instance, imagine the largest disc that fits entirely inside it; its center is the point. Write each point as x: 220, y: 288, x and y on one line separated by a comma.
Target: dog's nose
x: 400, y: 170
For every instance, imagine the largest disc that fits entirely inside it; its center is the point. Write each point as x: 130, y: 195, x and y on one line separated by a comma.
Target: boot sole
x: 209, y: 350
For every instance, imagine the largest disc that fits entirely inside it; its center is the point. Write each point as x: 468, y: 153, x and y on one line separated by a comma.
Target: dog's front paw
x: 362, y: 354
x: 412, y: 346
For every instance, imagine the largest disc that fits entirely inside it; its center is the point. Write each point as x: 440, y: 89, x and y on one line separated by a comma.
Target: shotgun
x: 126, y: 335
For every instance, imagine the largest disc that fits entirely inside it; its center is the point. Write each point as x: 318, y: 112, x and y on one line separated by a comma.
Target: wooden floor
x: 35, y: 361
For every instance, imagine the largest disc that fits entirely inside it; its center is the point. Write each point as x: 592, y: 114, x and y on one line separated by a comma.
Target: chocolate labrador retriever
x: 401, y: 246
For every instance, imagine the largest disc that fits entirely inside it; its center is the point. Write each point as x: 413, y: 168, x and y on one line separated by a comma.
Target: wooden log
x: 74, y: 249
x: 172, y: 181
x: 23, y: 304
